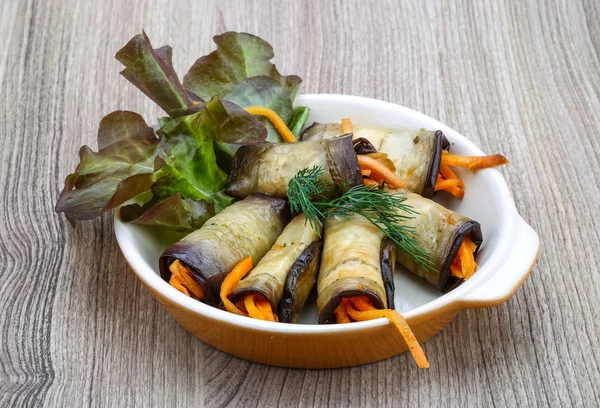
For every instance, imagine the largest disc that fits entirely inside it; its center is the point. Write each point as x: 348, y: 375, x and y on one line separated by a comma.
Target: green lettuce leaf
x: 125, y: 167
x: 264, y: 91
x: 151, y: 70
x: 191, y: 165
x: 238, y: 56
x: 175, y: 213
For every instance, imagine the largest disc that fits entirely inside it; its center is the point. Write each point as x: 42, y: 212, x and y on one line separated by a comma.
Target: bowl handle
x: 524, y: 250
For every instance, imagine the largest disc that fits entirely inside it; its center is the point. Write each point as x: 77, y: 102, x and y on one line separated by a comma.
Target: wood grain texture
x: 517, y: 77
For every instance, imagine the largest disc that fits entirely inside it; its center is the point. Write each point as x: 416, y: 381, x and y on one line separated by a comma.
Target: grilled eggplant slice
x: 269, y: 167
x: 440, y: 233
x: 415, y: 153
x: 246, y: 228
x: 287, y: 273
x: 357, y: 260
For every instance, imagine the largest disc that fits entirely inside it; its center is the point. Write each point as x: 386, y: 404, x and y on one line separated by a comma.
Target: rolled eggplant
x: 357, y: 260
x: 246, y: 228
x: 415, y: 153
x: 440, y: 232
x: 287, y: 273
x: 269, y: 167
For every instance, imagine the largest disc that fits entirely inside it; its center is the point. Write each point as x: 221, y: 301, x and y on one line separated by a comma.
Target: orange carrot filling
x: 360, y: 308
x: 370, y: 182
x: 182, y: 280
x: 473, y: 162
x: 464, y: 264
x: 448, y: 181
x: 275, y: 119
x: 347, y: 126
x: 380, y: 170
x: 254, y: 305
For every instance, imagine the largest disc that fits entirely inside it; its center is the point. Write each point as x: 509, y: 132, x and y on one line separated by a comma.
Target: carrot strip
x: 384, y: 159
x: 275, y: 119
x: 450, y: 175
x: 236, y: 274
x: 456, y: 271
x: 464, y: 264
x: 457, y: 192
x: 379, y: 169
x: 368, y: 182
x: 473, y: 162
x: 249, y: 302
x: 181, y: 278
x: 341, y: 316
x: 470, y: 244
x: 442, y: 184
x: 263, y: 304
x: 366, y: 311
x: 177, y: 284
x: 347, y: 126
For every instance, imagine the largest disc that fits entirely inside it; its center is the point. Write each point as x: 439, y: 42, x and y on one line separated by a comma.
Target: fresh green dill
x: 308, y: 194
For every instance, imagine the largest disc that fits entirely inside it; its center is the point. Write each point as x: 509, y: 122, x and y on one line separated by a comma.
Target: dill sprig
x: 308, y: 194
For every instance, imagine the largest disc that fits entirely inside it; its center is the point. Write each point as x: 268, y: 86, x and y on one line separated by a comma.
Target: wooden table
x: 517, y: 77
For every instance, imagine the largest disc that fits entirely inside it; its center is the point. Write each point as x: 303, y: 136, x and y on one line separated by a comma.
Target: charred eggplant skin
x: 268, y: 167
x: 208, y: 258
x: 363, y: 146
x: 304, y: 271
x: 441, y: 143
x: 388, y: 264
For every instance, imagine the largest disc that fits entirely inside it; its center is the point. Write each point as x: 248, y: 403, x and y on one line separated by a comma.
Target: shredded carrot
x: 341, y: 316
x: 464, y: 264
x: 384, y: 159
x: 369, y: 182
x: 366, y: 172
x: 263, y: 304
x: 472, y: 246
x: 236, y: 274
x: 473, y: 162
x: 379, y: 169
x: 347, y: 126
x: 177, y: 284
x: 275, y: 119
x: 442, y: 184
x: 182, y: 280
x: 249, y: 302
x: 450, y: 175
x: 359, y: 308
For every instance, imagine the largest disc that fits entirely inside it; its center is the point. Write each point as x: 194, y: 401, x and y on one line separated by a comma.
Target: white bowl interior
x: 486, y: 200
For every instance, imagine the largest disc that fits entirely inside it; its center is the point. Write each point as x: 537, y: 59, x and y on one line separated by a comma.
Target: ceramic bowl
x: 509, y: 251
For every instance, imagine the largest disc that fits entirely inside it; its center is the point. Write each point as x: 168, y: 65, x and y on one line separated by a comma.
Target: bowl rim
x: 457, y: 299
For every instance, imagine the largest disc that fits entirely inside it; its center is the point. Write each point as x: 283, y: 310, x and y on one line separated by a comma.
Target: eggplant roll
x: 269, y: 167
x: 440, y: 233
x: 245, y: 228
x: 288, y: 272
x: 415, y: 153
x: 357, y: 260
